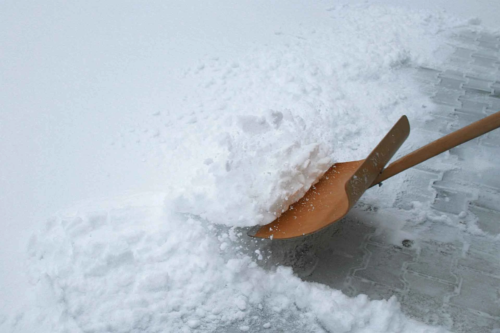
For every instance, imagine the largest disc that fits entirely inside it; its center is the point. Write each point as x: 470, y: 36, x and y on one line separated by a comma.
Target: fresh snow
x: 244, y: 130
x: 143, y: 268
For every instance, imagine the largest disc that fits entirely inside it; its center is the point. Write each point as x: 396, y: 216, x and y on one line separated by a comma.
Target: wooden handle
x: 441, y: 145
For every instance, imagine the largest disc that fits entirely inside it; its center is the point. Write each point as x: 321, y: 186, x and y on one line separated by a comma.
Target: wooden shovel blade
x: 336, y: 192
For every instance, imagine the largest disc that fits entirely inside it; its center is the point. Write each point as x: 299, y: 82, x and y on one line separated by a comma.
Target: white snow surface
x: 246, y: 134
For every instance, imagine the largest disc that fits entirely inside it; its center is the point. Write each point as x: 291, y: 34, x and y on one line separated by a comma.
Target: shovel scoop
x: 331, y: 198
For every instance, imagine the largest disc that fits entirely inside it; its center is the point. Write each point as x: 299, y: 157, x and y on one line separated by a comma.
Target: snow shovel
x: 331, y: 198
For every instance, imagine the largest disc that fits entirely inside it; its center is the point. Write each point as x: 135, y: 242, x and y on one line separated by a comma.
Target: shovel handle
x: 441, y: 145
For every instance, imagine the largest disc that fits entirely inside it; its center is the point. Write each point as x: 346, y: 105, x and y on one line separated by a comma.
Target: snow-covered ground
x: 138, y: 139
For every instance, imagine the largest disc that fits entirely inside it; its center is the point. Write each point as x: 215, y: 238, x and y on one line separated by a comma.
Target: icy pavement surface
x: 441, y: 258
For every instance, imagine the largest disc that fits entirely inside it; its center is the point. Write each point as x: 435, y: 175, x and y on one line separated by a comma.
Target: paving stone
x: 451, y: 201
x: 472, y: 105
x: 408, y: 148
x: 491, y: 140
x: 465, y: 150
x: 405, y: 200
x: 424, y: 300
x: 334, y: 269
x: 488, y: 38
x: 470, y: 34
x: 427, y: 166
x: 464, y: 320
x: 476, y: 96
x: 463, y: 118
x: 443, y: 111
x: 385, y: 266
x: 432, y: 288
x: 481, y: 262
x: 464, y: 53
x: 489, y: 53
x: 487, y: 45
x: 495, y: 90
x: 494, y: 103
x: 436, y: 261
x: 485, y: 61
x: 489, y: 178
x: 488, y: 220
x: 385, y: 238
x: 350, y: 239
x: 440, y: 126
x: 342, y: 253
x: 429, y: 229
x: 420, y: 182
x: 459, y: 63
x: 490, y: 111
x: 480, y: 243
x: 478, y: 84
x: 427, y: 75
x: 487, y: 73
x: 474, y: 156
x: 466, y: 40
x: 451, y: 83
x: 451, y: 74
x: 488, y: 199
x: 478, y: 292
x: 447, y: 97
x: 373, y: 290
x: 450, y: 185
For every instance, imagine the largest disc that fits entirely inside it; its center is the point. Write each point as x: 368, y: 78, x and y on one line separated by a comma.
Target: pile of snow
x: 260, y: 129
x: 138, y: 268
x: 253, y: 136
